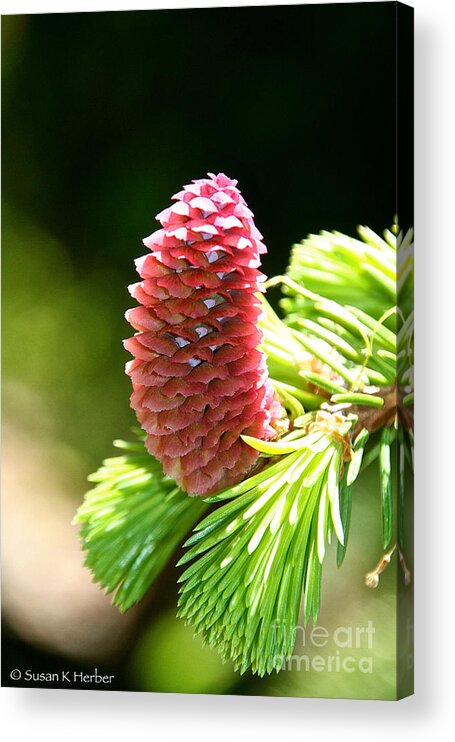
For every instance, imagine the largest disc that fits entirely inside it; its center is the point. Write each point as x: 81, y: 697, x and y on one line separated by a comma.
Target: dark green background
x: 106, y: 114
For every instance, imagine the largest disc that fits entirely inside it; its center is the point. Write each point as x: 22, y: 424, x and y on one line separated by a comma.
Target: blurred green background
x: 105, y: 116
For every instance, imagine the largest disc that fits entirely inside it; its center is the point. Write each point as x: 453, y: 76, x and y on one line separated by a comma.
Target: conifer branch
x: 132, y: 522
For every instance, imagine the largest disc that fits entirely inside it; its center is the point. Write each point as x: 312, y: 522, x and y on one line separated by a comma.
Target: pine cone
x: 199, y: 378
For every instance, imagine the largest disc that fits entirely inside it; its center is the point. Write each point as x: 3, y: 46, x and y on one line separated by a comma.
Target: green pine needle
x: 132, y: 522
x: 345, y: 510
x: 385, y: 464
x: 349, y: 478
x: 256, y: 553
x: 359, y: 272
x: 355, y: 350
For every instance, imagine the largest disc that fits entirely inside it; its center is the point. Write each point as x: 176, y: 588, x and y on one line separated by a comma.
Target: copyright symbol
x: 15, y: 674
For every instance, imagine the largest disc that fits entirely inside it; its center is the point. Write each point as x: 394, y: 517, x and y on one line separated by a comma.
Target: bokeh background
x: 105, y: 115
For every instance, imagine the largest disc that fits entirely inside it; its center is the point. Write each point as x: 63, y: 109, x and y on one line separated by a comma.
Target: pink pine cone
x: 199, y: 379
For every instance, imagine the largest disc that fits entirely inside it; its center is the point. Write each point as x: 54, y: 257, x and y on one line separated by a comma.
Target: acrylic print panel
x: 250, y: 531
